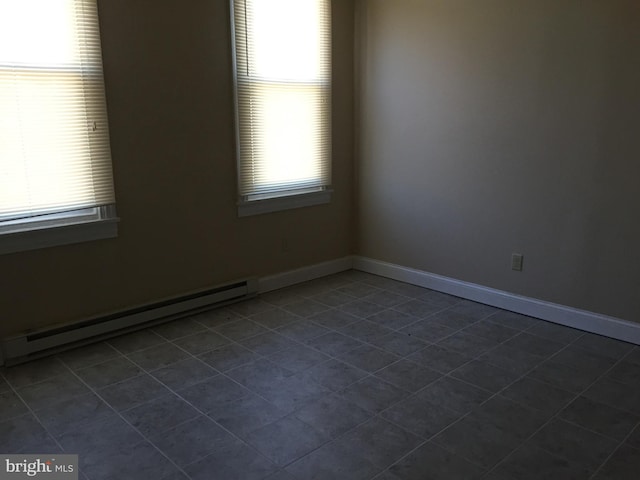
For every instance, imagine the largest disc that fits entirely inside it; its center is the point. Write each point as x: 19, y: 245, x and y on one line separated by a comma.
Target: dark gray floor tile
x: 492, y: 331
x: 455, y: 320
x: 392, y: 319
x: 258, y: 374
x: 298, y: 358
x: 600, y: 418
x: 233, y: 461
x: 20, y: 432
x: 132, y: 342
x: 240, y: 329
x: 132, y: 392
x: 112, y: 371
x: 96, y: 443
x: 428, y: 330
x: 512, y: 359
x: 386, y: 298
x: 555, y: 332
x: 4, y: 386
x: 60, y: 417
x: 229, y: 357
x: 379, y: 442
x: 581, y: 359
x: 158, y: 416
x: 334, y: 375
x: 608, y: 347
x: 564, y: 376
x: 332, y: 415
x: 401, y: 344
x: 55, y: 389
x: 292, y: 393
x: 421, y: 417
x: 11, y: 406
x: 431, y: 462
x: 333, y: 298
x: 485, y: 375
x: 334, y: 343
x: 245, y: 414
x: 532, y: 463
x: 408, y: 375
x: 216, y: 317
x: 634, y: 356
x: 574, y: 444
x: 386, y: 475
x: 286, y: 440
x: 474, y: 309
x: 331, y: 462
x: 373, y: 394
x: 159, y: 356
x: 626, y: 372
x: 281, y: 475
x: 185, y: 373
x: 281, y: 296
x: 633, y: 439
x: 250, y: 307
x: 34, y: 372
x: 439, y: 299
x: 467, y: 344
x: 478, y: 441
x: 368, y: 358
x: 201, y: 342
x: 512, y: 320
x: 616, y: 394
x: 365, y: 331
x: 453, y: 394
x: 534, y: 344
x: 191, y: 441
x: 305, y: 307
x: 178, y: 328
x: 517, y: 420
x: 539, y: 395
x: 89, y: 355
x: 439, y: 358
x: 140, y: 461
x: 417, y: 308
x: 276, y: 317
x: 357, y: 289
x: 267, y: 343
x: 624, y: 464
x: 302, y: 331
x: 361, y: 308
x: 213, y: 392
x: 334, y: 319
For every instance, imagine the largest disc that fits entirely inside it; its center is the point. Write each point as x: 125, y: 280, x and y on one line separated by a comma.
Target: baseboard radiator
x: 39, y: 343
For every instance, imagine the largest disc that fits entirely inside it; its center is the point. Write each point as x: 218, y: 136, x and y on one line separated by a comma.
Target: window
x: 283, y: 101
x: 56, y: 182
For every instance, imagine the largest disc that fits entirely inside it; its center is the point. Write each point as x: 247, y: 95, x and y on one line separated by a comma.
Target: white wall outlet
x: 516, y: 261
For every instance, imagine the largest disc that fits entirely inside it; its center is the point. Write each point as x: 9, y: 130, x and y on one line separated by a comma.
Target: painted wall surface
x: 168, y: 76
x: 498, y: 126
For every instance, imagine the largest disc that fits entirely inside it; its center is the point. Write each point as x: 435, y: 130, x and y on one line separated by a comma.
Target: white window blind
x: 55, y: 160
x: 283, y: 94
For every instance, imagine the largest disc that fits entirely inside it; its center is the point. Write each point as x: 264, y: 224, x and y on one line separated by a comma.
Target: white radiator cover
x: 37, y: 343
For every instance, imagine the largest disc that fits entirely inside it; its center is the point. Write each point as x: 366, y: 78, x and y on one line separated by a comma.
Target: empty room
x: 320, y: 239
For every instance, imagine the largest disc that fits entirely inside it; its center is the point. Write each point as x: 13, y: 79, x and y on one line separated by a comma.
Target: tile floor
x: 351, y: 376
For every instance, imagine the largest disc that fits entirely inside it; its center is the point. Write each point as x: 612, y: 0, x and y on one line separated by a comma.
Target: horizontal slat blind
x: 283, y: 88
x: 54, y: 137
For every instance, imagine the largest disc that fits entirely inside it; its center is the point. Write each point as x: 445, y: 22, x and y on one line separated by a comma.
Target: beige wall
x: 168, y: 79
x: 497, y: 126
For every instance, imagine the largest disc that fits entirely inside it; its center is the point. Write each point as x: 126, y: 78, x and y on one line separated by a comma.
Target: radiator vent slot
x: 43, y: 342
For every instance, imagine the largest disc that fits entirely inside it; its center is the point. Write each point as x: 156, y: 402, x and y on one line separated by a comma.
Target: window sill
x: 276, y: 204
x: 58, y: 235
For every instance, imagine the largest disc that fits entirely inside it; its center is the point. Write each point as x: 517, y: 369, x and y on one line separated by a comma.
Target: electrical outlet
x: 516, y: 262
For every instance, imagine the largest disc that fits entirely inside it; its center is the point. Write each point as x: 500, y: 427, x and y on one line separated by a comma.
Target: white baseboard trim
x: 304, y: 274
x: 551, y: 312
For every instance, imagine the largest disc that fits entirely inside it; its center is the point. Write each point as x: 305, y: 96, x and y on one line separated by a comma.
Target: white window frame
x: 257, y: 204
x: 42, y: 229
